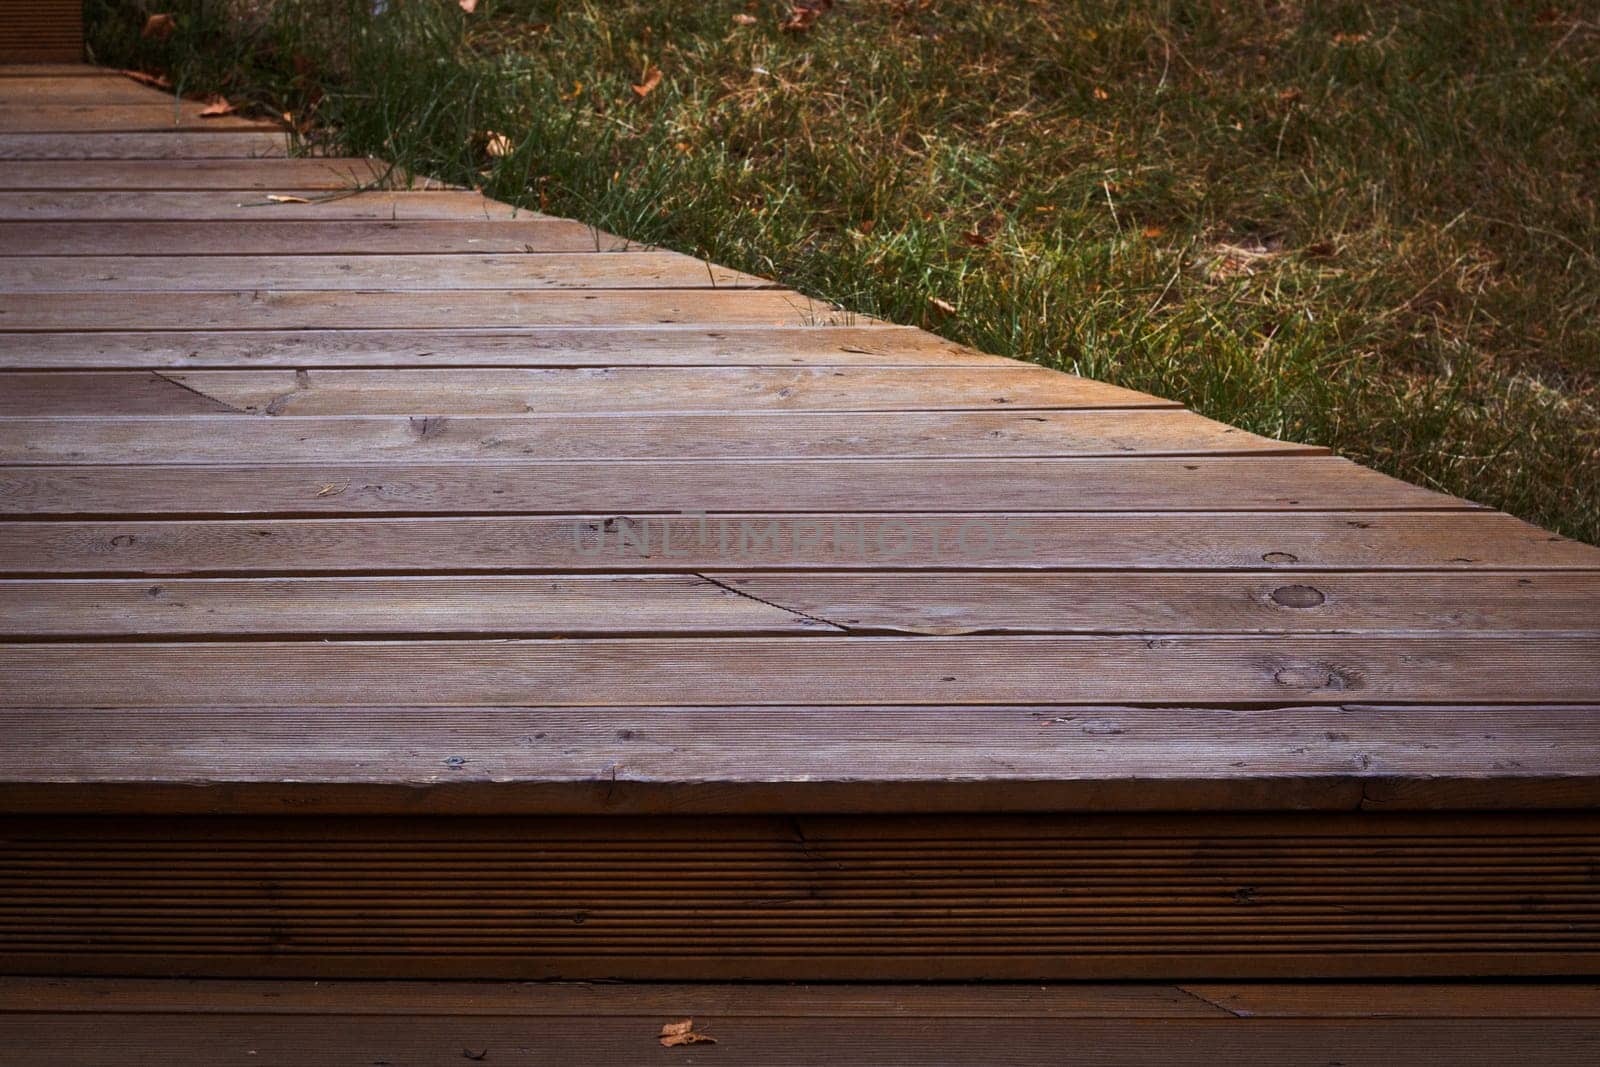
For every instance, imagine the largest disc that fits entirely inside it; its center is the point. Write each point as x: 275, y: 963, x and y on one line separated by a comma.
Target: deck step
x: 87, y: 1023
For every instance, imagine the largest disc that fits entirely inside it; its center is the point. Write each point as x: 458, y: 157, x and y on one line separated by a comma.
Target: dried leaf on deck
x: 217, y: 106
x: 159, y: 27
x: 683, y: 1033
x: 153, y: 80
x: 284, y: 198
x: 651, y: 79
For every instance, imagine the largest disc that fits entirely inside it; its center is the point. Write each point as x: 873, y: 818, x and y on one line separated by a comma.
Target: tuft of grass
x: 1368, y: 225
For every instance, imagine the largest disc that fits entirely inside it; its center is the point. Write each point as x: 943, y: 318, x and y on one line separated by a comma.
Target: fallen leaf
x: 651, y: 79
x: 742, y: 19
x: 1154, y: 232
x: 943, y: 305
x: 333, y: 489
x: 1101, y: 94
x: 279, y: 198
x: 498, y: 145
x: 467, y: 1053
x: 683, y: 1033
x: 159, y: 27
x: 577, y: 87
x: 142, y: 78
x: 469, y: 6
x: 804, y: 15
x: 974, y: 238
x: 218, y: 106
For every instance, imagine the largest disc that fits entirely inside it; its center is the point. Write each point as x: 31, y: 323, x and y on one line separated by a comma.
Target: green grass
x: 1367, y: 225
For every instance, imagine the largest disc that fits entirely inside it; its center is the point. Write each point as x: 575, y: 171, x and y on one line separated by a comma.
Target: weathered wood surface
x: 94, y: 1022
x: 403, y: 501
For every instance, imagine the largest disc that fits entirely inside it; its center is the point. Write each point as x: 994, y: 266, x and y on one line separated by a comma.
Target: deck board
x: 737, y: 636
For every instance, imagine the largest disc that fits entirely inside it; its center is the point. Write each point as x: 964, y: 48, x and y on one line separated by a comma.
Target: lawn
x: 1367, y: 225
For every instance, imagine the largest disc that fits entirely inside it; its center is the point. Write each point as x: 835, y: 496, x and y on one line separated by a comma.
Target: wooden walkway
x: 758, y: 639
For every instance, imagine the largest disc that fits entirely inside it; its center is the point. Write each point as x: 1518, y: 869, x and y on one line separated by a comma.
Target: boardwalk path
x: 405, y: 502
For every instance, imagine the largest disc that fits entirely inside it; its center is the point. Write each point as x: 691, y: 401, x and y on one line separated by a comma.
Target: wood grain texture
x: 1137, y: 541
x: 122, y: 118
x: 371, y: 237
x: 190, y: 145
x: 394, y: 273
x: 566, y: 391
x: 882, y: 759
x: 599, y: 346
x: 558, y: 605
x: 928, y: 604
x: 267, y: 175
x: 946, y: 897
x: 845, y: 486
x: 33, y: 90
x: 1238, y: 671
x: 202, y: 439
x: 192, y: 206
x: 41, y: 31
x: 278, y: 309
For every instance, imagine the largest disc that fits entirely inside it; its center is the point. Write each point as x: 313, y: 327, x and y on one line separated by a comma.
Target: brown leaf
x: 1153, y: 232
x: 1101, y: 94
x: 742, y: 19
x: 651, y: 79
x: 943, y: 305
x: 497, y: 145
x: 142, y: 78
x: 469, y: 6
x: 217, y: 106
x: 159, y: 27
x: 974, y: 238
x: 804, y: 15
x: 683, y: 1033
x: 281, y: 198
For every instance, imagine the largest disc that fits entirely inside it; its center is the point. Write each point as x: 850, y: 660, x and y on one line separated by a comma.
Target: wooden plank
x: 203, y: 205
x: 1286, y: 669
x: 268, y: 175
x: 1138, y: 541
x: 559, y: 605
x: 20, y: 91
x: 1244, y: 602
x: 927, y: 604
x: 364, y: 439
x: 334, y: 1041
x: 206, y: 273
x: 357, y: 238
x: 569, y: 391
x: 991, y: 1000
x: 599, y: 346
x: 1195, y: 483
x: 73, y: 69
x: 484, y: 761
x: 944, y: 897
x: 203, y: 144
x: 290, y: 309
x: 122, y: 118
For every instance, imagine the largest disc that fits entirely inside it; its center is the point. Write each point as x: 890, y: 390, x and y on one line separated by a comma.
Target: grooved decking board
x: 121, y: 118
x: 1402, y: 668
x: 201, y: 145
x: 34, y: 30
x: 269, y: 175
x: 373, y: 237
x: 601, y: 346
x: 574, y: 391
x: 946, y: 897
x: 311, y: 1024
x: 1141, y: 541
x: 28, y: 91
x: 193, y: 274
x: 785, y: 760
x: 102, y: 205
x: 1195, y: 483
x: 194, y: 439
x: 278, y: 309
x: 558, y: 605
x: 930, y: 604
x: 73, y: 69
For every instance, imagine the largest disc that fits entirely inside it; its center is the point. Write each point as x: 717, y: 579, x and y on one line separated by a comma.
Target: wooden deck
x: 398, y: 584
